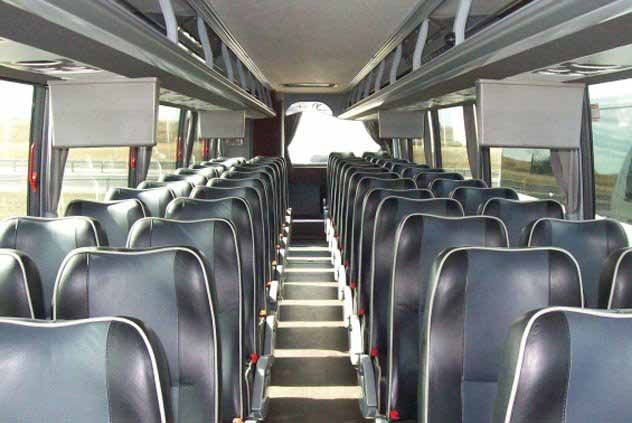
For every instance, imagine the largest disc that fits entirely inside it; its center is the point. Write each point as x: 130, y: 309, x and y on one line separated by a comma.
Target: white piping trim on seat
x: 525, y: 335
x: 88, y: 220
x: 509, y: 200
x: 435, y: 286
x: 9, y: 252
x: 96, y: 250
x: 106, y: 202
x: 537, y: 222
x: 150, y: 350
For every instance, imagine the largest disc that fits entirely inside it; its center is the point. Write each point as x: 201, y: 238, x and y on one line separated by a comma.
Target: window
x: 612, y: 149
x: 318, y: 134
x: 453, y: 144
x: 163, y: 155
x: 91, y: 172
x: 419, y: 155
x: 527, y: 170
x: 16, y: 102
x: 198, y: 152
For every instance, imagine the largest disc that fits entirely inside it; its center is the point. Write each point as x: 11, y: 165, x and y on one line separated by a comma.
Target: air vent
x: 579, y: 69
x: 310, y: 85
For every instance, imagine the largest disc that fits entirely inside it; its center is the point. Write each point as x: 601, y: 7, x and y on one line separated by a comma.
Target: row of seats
x: 191, y: 263
x: 434, y: 276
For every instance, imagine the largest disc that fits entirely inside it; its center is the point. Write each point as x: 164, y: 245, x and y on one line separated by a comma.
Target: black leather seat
x: 615, y: 290
x: 172, y: 291
x: 116, y: 217
x: 216, y: 239
x: 47, y: 242
x: 412, y: 172
x: 472, y: 199
x: 424, y: 179
x: 207, y: 172
x: 155, y: 200
x: 400, y: 167
x: 567, y: 365
x: 468, y: 316
x: 518, y: 215
x: 179, y: 188
x: 420, y: 239
x: 589, y: 241
x: 95, y: 370
x: 195, y: 179
x: 441, y: 188
x: 20, y: 286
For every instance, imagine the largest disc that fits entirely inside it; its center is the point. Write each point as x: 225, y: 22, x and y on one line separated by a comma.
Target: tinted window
x: 163, y: 155
x: 453, y: 144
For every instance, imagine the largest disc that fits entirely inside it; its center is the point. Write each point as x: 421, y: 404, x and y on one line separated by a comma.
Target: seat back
x: 172, y: 292
x: 155, y: 200
x: 20, y: 286
x: 81, y: 371
x: 589, y: 241
x: 468, y: 316
x: 412, y: 172
x: 47, y: 241
x: 115, y: 217
x: 615, y: 291
x: 391, y: 212
x: 419, y: 240
x: 567, y: 364
x: 518, y: 215
x: 179, y: 188
x: 441, y: 188
x: 472, y: 199
x: 216, y: 239
x: 424, y: 179
x: 207, y: 172
x: 195, y: 179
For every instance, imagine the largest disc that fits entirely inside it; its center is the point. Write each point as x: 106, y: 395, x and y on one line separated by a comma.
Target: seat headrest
x: 442, y: 187
x: 615, y: 291
x: 411, y: 172
x: 566, y: 364
x: 47, y: 241
x: 81, y: 371
x: 155, y: 200
x: 179, y: 188
x: 171, y: 290
x: 518, y: 215
x: 20, y: 286
x: 115, y: 217
x: 589, y: 241
x: 195, y: 179
x: 525, y: 279
x: 424, y: 179
x: 472, y: 199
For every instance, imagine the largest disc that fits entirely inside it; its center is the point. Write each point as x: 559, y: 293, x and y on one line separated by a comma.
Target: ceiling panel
x: 294, y: 41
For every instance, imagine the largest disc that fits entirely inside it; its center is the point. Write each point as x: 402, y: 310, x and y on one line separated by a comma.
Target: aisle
x: 312, y: 378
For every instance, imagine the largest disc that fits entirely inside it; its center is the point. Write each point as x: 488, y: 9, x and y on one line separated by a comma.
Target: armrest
x: 273, y: 294
x: 270, y: 335
x: 366, y: 374
x: 347, y: 305
x: 260, y: 401
x: 355, y: 339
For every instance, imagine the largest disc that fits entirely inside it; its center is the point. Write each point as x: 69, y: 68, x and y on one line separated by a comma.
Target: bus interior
x: 278, y: 211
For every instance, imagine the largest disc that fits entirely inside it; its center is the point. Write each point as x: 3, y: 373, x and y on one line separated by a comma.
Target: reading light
x: 310, y: 85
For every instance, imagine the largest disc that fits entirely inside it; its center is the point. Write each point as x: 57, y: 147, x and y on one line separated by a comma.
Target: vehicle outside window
x: 453, y: 142
x: 164, y: 153
x: 527, y: 170
x: 612, y: 149
x: 16, y: 103
x: 319, y: 133
x: 91, y: 172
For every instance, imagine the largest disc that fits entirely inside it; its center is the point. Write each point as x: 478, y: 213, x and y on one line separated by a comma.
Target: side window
x: 91, y: 172
x: 419, y: 156
x: 163, y: 155
x: 16, y: 102
x: 612, y: 149
x: 453, y: 143
x: 527, y: 170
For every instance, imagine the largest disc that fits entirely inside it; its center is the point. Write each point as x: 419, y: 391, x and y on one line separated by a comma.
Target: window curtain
x: 191, y: 138
x: 566, y: 168
x: 54, y: 171
x: 143, y: 160
x: 374, y: 131
x: 471, y: 140
x: 290, y: 125
x: 428, y: 141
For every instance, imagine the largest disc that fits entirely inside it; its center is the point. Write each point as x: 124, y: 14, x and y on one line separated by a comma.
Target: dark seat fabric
x: 424, y: 179
x: 171, y: 290
x: 391, y: 212
x: 20, y: 286
x: 589, y: 241
x: 517, y: 215
x: 95, y: 370
x: 419, y: 241
x: 207, y: 172
x: 216, y: 239
x: 412, y: 172
x: 441, y: 188
x: 567, y: 365
x: 194, y: 179
x: 343, y: 188
x: 400, y: 167
x: 179, y: 188
x: 267, y: 187
x: 472, y: 199
x: 468, y: 316
x: 615, y: 290
x: 47, y: 242
x: 115, y: 217
x: 155, y: 200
